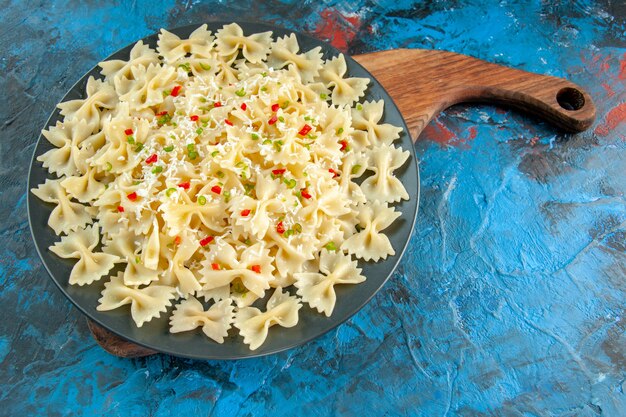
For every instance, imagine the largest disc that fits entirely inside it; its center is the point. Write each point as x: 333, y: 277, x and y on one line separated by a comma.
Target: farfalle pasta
x: 201, y: 177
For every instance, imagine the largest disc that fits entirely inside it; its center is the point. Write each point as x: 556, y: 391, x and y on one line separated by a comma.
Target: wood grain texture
x: 425, y: 82
x: 115, y: 345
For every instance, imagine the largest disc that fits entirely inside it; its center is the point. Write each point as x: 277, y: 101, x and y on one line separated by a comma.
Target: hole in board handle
x: 570, y: 98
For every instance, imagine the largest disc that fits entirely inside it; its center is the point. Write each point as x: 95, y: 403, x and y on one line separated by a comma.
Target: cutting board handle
x: 424, y: 82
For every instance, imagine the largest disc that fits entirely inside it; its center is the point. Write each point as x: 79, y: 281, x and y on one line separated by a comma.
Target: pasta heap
x: 221, y: 167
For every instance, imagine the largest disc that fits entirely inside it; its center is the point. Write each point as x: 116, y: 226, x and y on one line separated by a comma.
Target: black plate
x: 155, y: 334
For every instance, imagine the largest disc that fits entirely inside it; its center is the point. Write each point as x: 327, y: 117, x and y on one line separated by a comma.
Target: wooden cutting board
x: 423, y: 83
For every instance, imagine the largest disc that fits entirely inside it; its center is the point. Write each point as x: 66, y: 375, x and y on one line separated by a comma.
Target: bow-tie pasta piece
x: 318, y: 289
x: 345, y: 90
x: 215, y: 322
x: 145, y: 303
x: 148, y: 86
x: 365, y: 118
x: 370, y: 243
x: 91, y: 266
x: 173, y: 48
x: 67, y: 216
x: 67, y: 137
x: 383, y: 185
x: 253, y: 324
x: 119, y: 70
x: 100, y: 95
x: 255, y: 47
x: 284, y: 52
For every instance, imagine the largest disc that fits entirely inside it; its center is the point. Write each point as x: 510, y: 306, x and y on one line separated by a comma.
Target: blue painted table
x: 510, y: 300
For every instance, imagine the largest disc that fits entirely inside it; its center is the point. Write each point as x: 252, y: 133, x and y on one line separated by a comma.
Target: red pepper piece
x: 176, y: 91
x: 152, y: 159
x: 184, y: 185
x: 194, y: 118
x: 335, y: 173
x: 128, y: 132
x: 132, y: 196
x: 280, y: 228
x: 228, y: 122
x: 215, y: 267
x: 305, y: 193
x: 217, y: 104
x: 280, y: 171
x: 120, y: 209
x: 275, y: 107
x: 245, y: 213
x: 256, y: 268
x: 344, y: 145
x: 207, y: 240
x: 178, y: 240
x: 305, y: 129
x: 272, y: 120
x: 243, y: 106
x: 162, y: 113
x: 216, y: 189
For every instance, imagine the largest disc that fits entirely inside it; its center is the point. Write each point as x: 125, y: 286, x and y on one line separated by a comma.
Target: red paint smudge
x: 608, y: 89
x: 338, y: 28
x: 439, y: 133
x: 472, y: 132
x: 500, y: 110
x: 534, y: 140
x: 622, y: 68
x: 613, y: 118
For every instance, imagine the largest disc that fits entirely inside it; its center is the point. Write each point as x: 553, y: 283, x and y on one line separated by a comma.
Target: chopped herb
x: 108, y: 166
x: 247, y: 242
x: 254, y: 136
x: 289, y: 233
x: 307, y: 118
x: 202, y: 200
x: 137, y: 260
x: 359, y: 106
x: 307, y: 145
x: 202, y: 100
x: 227, y: 196
x: 330, y: 246
x: 267, y: 142
x: 199, y: 131
x: 170, y: 191
x: 166, y: 118
x: 220, y: 174
x: 130, y: 139
x: 136, y: 182
x: 192, y: 155
x: 139, y: 147
x: 284, y: 105
x: 214, y: 153
x: 264, y: 74
x: 169, y: 148
x: 291, y: 183
x: 241, y: 92
x: 281, y: 119
x: 323, y: 96
x: 264, y: 88
x: 166, y: 93
x: 185, y: 66
x: 157, y: 169
x: 248, y: 188
x: 311, y: 136
x: 355, y: 169
x: 297, y: 228
x: 204, y: 66
x: 238, y: 286
x: 191, y: 147
x: 241, y: 165
x: 340, y: 131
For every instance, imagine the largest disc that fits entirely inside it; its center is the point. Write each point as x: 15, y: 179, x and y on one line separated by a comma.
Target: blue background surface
x: 511, y: 297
